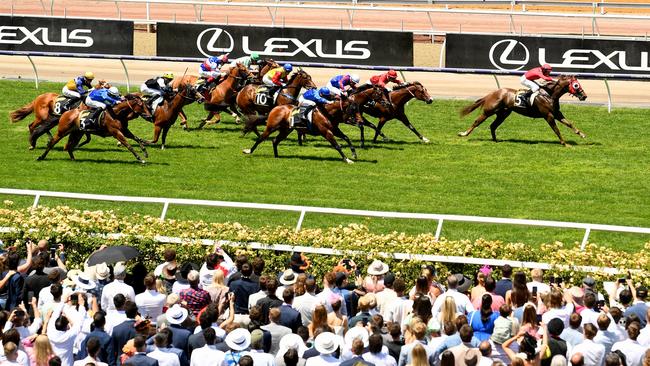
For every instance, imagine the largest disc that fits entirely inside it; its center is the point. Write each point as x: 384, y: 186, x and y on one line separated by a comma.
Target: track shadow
x: 174, y: 146
x: 531, y: 142
x: 103, y: 161
x: 321, y: 158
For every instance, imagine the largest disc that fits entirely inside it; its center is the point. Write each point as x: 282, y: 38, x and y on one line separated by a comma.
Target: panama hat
x: 377, y: 268
x: 357, y: 332
x: 71, y: 278
x: 239, y: 339
x: 176, y: 314
x: 292, y: 340
x: 82, y: 281
x: 288, y: 277
x: 101, y: 271
x: 119, y: 269
x: 326, y: 343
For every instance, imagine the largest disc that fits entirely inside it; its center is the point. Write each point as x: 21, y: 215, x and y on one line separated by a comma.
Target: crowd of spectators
x: 227, y: 312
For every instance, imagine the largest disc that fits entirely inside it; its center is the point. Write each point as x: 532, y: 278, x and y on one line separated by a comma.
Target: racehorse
x: 132, y: 107
x: 165, y: 115
x: 46, y: 111
x: 502, y: 102
x: 398, y: 98
x: 222, y: 96
x: 325, y: 122
x: 246, y: 99
x: 264, y: 67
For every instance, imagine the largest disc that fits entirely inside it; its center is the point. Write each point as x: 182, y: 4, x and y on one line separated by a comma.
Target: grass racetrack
x: 601, y: 179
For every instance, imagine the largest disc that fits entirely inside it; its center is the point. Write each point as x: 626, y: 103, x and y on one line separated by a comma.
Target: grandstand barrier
x: 303, y: 210
x: 494, y: 73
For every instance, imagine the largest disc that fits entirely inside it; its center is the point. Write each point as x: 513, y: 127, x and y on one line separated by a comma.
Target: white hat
x: 101, y: 271
x: 288, y: 277
x: 119, y: 269
x: 239, y: 339
x: 377, y: 267
x: 292, y: 340
x: 84, y: 282
x: 326, y: 343
x: 71, y: 278
x: 176, y: 314
x: 357, y: 332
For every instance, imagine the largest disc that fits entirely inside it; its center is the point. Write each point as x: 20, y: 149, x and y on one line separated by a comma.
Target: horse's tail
x: 470, y: 108
x: 252, y: 121
x: 20, y: 114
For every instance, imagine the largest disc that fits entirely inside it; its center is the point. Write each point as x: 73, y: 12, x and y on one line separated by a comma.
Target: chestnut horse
x: 398, y: 98
x: 46, y: 114
x: 502, y: 102
x: 287, y: 95
x: 325, y: 122
x: 165, y: 115
x: 222, y: 97
x: 132, y: 107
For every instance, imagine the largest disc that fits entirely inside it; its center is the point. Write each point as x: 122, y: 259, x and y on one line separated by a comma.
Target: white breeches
x: 334, y: 90
x: 95, y: 104
x: 529, y: 83
x: 70, y: 93
x: 267, y: 81
x: 302, y: 101
x: 209, y: 74
x: 154, y: 93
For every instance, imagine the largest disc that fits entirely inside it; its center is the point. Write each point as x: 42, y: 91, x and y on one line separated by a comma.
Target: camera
x: 622, y: 280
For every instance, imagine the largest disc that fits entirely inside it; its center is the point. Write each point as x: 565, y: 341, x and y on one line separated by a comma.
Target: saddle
x: 525, y: 98
x: 89, y: 119
x: 301, y: 117
x: 63, y: 104
x: 263, y: 96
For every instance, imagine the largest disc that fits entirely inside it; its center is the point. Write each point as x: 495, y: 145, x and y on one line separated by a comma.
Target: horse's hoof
x: 581, y: 134
x: 385, y: 139
x: 355, y: 157
x: 162, y: 147
x: 247, y: 151
x: 566, y: 145
x: 462, y: 134
x: 119, y: 144
x: 349, y: 161
x: 142, y: 161
x: 238, y: 120
x: 425, y: 140
x: 31, y: 148
x: 40, y: 158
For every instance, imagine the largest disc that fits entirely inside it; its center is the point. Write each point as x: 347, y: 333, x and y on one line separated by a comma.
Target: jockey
x: 274, y: 78
x: 209, y: 69
x: 534, y: 78
x: 155, y: 87
x: 246, y: 60
x: 312, y: 98
x: 97, y: 100
x: 338, y: 83
x: 385, y: 78
x: 74, y: 89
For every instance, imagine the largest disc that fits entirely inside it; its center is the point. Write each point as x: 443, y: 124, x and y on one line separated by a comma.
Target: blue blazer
x: 105, y: 342
x: 121, y: 334
x: 141, y: 359
x: 290, y: 318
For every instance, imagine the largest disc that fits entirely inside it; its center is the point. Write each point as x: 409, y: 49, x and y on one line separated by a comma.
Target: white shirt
x: 21, y: 360
x: 112, y: 289
x: 379, y: 359
x: 45, y: 297
x: 305, y: 305
x: 165, y: 358
x: 485, y: 361
x: 88, y: 360
x: 177, y: 287
x: 607, y: 339
x: 254, y: 298
x: 62, y: 342
x: 322, y: 360
x: 397, y: 310
x: 644, y: 336
x: 159, y: 269
x: 632, y: 350
x: 260, y: 358
x: 562, y: 313
x: 150, y: 303
x: 463, y: 305
x: 589, y: 316
x: 384, y: 297
x: 593, y: 353
x: 221, y: 333
x: 207, y: 356
x: 205, y: 276
x: 113, y: 319
x: 25, y: 331
x: 542, y: 288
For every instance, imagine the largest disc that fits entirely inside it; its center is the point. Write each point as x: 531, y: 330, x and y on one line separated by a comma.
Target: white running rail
x: 303, y: 210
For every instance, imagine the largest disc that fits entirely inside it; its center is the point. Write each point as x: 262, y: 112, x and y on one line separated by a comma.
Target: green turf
x: 602, y: 179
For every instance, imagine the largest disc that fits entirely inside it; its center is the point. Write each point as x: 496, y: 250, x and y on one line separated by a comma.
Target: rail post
x: 300, y: 220
x: 37, y: 197
x: 609, y: 96
x: 496, y: 79
x: 164, y: 210
x: 126, y: 73
x: 34, y: 68
x: 438, y: 230
x: 585, y: 238
x: 442, y: 51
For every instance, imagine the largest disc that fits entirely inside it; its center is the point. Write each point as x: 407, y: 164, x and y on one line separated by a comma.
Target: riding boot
x: 111, y: 113
x: 87, y: 123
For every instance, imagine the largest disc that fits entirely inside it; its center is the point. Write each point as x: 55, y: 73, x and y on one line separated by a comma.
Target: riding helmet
x: 255, y: 56
x: 113, y: 91
x: 547, y: 67
x: 354, y: 78
x: 89, y: 75
x: 392, y: 74
x: 288, y: 67
x: 324, y: 92
x: 168, y: 75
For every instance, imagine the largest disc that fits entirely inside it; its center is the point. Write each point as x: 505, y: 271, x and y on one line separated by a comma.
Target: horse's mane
x: 132, y: 96
x: 361, y: 88
x: 403, y: 86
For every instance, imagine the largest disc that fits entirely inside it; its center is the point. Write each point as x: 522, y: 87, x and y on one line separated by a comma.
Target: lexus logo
x: 509, y: 54
x: 214, y: 40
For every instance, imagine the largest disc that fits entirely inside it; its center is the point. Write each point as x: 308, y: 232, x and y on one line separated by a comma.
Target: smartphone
x: 534, y: 290
x: 551, y: 280
x: 622, y: 280
x: 601, y: 303
x: 19, y: 313
x: 629, y: 275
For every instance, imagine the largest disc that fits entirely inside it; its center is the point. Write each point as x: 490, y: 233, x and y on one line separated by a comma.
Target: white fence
x: 303, y: 210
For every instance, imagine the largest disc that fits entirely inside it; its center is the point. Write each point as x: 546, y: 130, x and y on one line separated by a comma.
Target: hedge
x: 78, y: 230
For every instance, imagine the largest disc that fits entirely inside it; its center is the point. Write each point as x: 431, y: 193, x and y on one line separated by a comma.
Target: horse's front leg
x: 183, y: 119
x: 402, y: 118
x: 560, y: 117
x: 551, y: 122
x: 128, y: 134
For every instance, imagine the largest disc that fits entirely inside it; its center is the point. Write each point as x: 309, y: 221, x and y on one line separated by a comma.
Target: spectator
x: 150, y: 302
x: 254, y: 298
x: 505, y: 326
x: 176, y: 315
x: 482, y: 321
x: 529, y: 352
x: 116, y: 316
x: 617, y: 318
x: 196, y: 298
x: 449, y: 311
x: 36, y: 281
x: 306, y: 302
x: 387, y: 295
x: 363, y: 315
x: 397, y: 311
x: 260, y: 358
x: 605, y: 337
x: 537, y: 274
x: 103, y: 338
x: 572, y: 334
x: 639, y: 306
x: 170, y: 258
x: 62, y: 331
x: 181, y: 283
x: 93, y: 348
x: 357, y: 349
x: 497, y: 300
x: 163, y: 358
x: 631, y: 348
x: 38, y: 348
x: 289, y: 317
x: 102, y: 278
x: 459, y: 351
x: 208, y: 355
x: 271, y: 300
x: 123, y: 332
x: 287, y: 280
x: 116, y: 287
x: 485, y: 348
x: 217, y: 289
x: 375, y: 355
x: 577, y: 359
x: 419, y: 357
x: 299, y: 262
x: 18, y: 319
x: 14, y: 282
x: 396, y: 342
x: 556, y: 345
x: 140, y: 357
x: 326, y: 344
x: 45, y: 297
x: 463, y: 305
x: 238, y: 342
x: 478, y: 290
x: 588, y: 314
x: 419, y: 331
x: 335, y: 320
x: 614, y: 359
x: 277, y: 331
x: 518, y: 296
x: 592, y: 352
x: 11, y: 357
x: 170, y: 348
x: 505, y: 283
x: 288, y: 343
x: 243, y: 288
x: 374, y: 282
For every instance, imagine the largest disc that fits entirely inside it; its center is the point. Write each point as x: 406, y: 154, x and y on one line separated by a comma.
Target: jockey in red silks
x: 383, y: 79
x: 534, y: 78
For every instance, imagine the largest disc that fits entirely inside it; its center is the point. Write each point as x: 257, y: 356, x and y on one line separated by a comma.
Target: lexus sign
x: 569, y: 55
x: 287, y: 44
x: 66, y: 35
